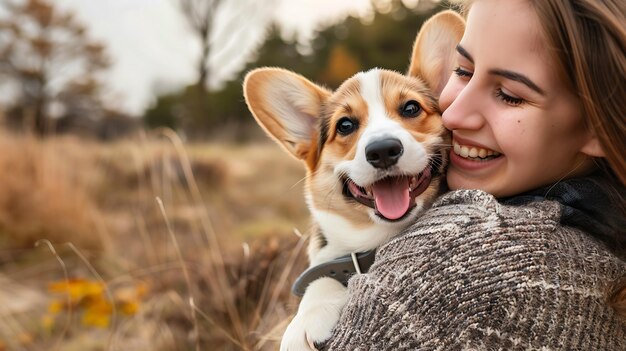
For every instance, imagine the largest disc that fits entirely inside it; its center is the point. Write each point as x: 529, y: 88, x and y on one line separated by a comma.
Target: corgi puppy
x: 374, y: 151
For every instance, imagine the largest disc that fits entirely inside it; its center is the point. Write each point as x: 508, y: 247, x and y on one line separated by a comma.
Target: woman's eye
x: 461, y: 73
x: 511, y: 100
x: 346, y: 126
x: 410, y: 109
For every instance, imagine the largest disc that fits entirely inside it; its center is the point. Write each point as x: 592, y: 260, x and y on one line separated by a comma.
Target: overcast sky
x: 153, y: 50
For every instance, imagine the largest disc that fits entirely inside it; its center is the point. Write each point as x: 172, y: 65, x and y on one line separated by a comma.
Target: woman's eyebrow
x: 504, y: 73
x: 518, y: 78
x: 464, y: 53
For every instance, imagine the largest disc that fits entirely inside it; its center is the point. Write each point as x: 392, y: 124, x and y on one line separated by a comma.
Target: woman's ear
x: 593, y: 148
x: 434, y: 51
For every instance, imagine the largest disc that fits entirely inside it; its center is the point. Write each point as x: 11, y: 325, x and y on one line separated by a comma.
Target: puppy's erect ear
x: 287, y: 106
x: 433, y: 56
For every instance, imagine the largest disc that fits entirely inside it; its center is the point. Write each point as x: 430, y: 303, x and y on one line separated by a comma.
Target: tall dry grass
x: 206, y: 229
x: 40, y: 196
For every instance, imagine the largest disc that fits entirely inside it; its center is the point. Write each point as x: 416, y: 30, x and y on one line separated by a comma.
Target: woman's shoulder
x: 474, y: 217
x: 476, y: 223
x: 480, y: 202
x: 490, y: 274
x: 507, y: 250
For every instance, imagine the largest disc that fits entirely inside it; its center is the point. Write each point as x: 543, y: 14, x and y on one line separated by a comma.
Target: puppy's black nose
x: 384, y: 153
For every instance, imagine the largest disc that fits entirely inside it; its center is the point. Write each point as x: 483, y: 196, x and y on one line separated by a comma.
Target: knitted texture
x: 476, y: 274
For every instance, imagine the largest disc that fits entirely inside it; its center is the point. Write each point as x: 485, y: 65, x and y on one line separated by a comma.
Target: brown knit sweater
x: 476, y: 274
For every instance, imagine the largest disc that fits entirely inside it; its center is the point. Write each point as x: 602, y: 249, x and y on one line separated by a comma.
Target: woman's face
x: 515, y: 124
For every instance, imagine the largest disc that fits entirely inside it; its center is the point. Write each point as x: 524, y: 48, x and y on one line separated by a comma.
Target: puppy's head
x: 374, y: 147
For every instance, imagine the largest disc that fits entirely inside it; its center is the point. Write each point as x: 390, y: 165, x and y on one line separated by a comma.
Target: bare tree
x: 220, y: 27
x: 201, y: 17
x: 47, y: 57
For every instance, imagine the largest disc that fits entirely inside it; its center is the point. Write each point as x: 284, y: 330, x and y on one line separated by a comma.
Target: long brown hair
x: 588, y: 40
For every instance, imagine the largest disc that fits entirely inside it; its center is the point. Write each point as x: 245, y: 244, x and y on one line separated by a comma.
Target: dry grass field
x: 147, y: 244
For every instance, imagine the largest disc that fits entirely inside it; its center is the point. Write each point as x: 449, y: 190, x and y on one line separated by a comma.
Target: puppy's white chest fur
x: 344, y: 237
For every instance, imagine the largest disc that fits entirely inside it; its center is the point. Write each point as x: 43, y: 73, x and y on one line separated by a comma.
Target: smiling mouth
x: 392, y: 197
x: 474, y: 153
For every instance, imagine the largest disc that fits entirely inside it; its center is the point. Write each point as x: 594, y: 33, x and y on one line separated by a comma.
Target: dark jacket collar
x: 588, y: 203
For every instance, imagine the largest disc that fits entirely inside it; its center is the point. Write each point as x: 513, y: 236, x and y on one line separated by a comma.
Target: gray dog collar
x: 340, y: 269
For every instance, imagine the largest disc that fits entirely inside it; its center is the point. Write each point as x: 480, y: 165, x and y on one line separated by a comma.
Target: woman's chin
x: 457, y: 180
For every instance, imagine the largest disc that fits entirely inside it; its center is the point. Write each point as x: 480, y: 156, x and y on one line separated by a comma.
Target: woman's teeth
x: 474, y: 152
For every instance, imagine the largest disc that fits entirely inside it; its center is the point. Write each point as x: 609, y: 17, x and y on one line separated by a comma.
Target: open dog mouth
x: 392, y: 197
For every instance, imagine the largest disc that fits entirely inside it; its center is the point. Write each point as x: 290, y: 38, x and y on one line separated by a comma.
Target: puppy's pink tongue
x: 392, y: 197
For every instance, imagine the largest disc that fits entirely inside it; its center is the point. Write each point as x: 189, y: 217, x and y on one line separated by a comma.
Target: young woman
x: 534, y: 257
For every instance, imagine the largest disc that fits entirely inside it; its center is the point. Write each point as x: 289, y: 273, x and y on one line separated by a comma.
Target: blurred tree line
x: 336, y: 53
x: 53, y: 71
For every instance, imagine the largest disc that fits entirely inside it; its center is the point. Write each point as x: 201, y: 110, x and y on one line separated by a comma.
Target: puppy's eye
x: 410, y: 109
x: 346, y: 126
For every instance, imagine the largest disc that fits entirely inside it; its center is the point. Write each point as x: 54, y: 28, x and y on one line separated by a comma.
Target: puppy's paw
x: 308, y: 329
x: 317, y: 316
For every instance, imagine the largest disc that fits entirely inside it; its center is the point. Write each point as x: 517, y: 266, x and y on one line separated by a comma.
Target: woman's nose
x: 464, y: 109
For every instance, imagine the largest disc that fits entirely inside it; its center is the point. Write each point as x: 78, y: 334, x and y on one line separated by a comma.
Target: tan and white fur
x: 374, y: 150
